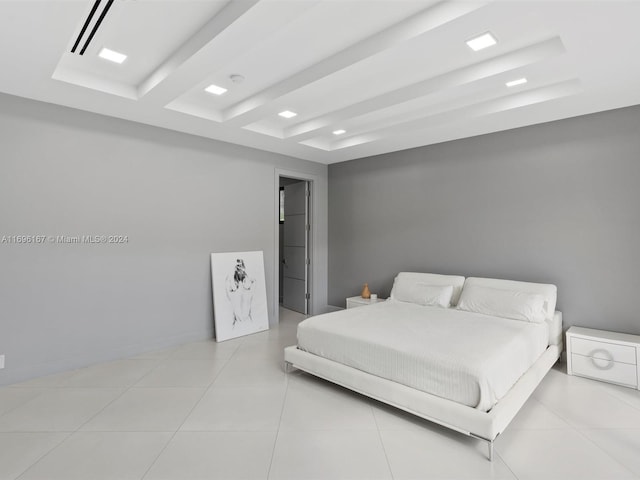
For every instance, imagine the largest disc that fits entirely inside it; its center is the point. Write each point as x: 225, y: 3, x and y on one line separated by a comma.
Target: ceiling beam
x: 231, y: 12
x: 499, y: 104
x: 257, y: 106
x: 494, y: 66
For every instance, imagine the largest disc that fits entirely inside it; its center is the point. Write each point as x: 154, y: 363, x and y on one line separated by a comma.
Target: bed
x: 463, y: 353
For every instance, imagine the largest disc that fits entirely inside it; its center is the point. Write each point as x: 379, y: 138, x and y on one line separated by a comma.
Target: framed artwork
x: 239, y: 294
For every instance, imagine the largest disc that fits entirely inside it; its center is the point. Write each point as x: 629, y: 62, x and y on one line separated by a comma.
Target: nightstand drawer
x: 604, y: 350
x: 604, y: 369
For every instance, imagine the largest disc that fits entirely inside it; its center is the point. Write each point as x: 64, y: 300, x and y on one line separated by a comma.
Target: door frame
x: 313, y: 237
x: 305, y: 185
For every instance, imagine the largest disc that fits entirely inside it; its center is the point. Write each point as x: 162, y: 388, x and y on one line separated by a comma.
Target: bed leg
x: 490, y: 445
x: 288, y: 366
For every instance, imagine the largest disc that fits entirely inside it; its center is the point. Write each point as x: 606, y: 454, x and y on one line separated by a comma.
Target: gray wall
x: 177, y: 197
x: 557, y: 202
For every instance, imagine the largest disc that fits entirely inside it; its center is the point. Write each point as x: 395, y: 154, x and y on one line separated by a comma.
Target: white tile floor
x: 227, y: 411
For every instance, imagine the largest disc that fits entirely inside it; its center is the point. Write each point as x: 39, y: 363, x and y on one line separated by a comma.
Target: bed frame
x: 470, y: 421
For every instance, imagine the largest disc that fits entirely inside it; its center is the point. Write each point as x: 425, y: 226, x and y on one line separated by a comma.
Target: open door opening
x: 295, y: 252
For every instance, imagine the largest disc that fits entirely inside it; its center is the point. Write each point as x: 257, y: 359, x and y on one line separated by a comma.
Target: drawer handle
x: 610, y: 363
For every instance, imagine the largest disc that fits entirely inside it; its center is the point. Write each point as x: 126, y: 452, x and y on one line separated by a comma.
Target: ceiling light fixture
x: 482, y: 41
x: 339, y: 132
x: 513, y: 83
x: 214, y: 89
x: 112, y: 56
x: 288, y: 114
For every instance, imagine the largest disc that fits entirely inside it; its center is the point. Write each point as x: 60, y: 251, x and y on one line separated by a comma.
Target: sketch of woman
x: 240, y: 292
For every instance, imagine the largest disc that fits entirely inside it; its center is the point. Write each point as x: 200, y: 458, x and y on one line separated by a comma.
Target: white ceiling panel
x: 394, y: 74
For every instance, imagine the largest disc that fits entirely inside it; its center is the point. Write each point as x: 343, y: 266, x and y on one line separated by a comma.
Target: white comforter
x: 466, y: 357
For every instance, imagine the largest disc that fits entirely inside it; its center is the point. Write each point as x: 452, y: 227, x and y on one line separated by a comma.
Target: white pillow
x: 427, y: 295
x: 516, y: 305
x: 548, y: 291
x: 405, y: 280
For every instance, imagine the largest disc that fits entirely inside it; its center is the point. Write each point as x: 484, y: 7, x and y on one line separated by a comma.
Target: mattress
x: 466, y: 357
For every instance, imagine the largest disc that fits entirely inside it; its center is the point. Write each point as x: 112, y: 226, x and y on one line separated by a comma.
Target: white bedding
x: 466, y: 357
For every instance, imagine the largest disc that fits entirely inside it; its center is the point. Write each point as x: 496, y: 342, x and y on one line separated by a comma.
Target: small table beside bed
x: 463, y: 353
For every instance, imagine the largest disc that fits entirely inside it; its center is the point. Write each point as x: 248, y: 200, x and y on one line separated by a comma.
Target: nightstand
x: 606, y: 356
x: 353, y: 302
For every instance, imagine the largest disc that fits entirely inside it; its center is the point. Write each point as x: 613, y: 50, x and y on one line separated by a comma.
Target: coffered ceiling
x: 363, y: 77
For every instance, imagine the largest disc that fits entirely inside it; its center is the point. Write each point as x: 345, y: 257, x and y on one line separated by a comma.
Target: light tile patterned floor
x: 227, y: 411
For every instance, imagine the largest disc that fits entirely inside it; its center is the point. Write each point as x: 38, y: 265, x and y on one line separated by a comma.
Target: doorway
x: 294, y: 244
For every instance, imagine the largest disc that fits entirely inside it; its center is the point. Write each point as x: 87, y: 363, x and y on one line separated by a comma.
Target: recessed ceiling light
x: 216, y: 90
x: 112, y: 56
x: 482, y: 41
x: 339, y: 132
x: 288, y: 114
x: 513, y: 83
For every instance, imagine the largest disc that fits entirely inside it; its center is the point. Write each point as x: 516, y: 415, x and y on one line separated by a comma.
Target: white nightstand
x: 607, y: 356
x: 358, y: 301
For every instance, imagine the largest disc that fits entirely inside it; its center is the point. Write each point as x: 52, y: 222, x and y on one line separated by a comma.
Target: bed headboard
x: 555, y: 329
